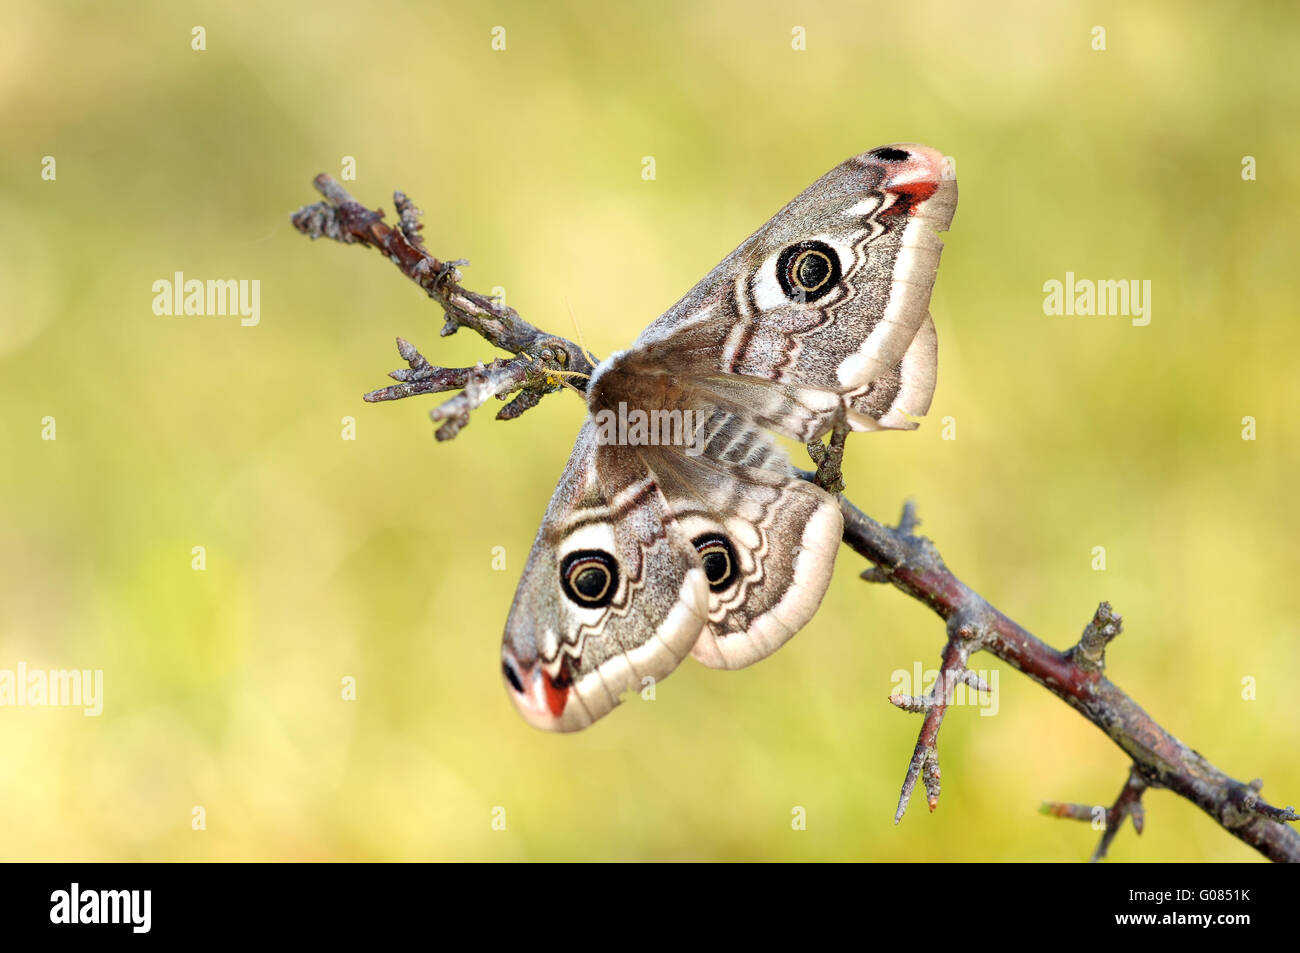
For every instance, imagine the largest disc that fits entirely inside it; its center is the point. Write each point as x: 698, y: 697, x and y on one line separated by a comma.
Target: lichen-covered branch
x: 540, y: 364
x: 542, y: 361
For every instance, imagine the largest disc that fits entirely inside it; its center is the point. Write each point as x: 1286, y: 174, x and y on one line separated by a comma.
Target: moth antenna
x: 562, y: 376
x: 556, y: 372
x: 578, y: 330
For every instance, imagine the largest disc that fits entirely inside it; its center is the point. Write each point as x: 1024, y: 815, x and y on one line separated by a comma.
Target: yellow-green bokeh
x: 372, y: 558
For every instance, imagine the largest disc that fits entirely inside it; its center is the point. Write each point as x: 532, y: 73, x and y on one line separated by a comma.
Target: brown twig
x: 542, y: 360
x: 907, y: 561
x: 962, y: 640
x: 1128, y: 804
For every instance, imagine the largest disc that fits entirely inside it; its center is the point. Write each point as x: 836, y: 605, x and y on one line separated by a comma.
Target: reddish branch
x: 1128, y: 804
x: 925, y: 757
x: 913, y: 564
x: 910, y: 562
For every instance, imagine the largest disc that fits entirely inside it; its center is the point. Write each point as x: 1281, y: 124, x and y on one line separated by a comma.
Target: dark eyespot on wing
x: 719, y: 560
x: 589, y: 577
x: 808, y: 271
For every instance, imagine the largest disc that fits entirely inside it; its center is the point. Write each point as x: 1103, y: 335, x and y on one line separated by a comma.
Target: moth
x: 679, y: 525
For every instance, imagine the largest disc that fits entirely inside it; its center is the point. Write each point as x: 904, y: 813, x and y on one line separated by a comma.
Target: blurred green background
x: 372, y: 558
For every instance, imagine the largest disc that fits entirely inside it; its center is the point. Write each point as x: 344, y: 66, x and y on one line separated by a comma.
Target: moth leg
x: 830, y: 456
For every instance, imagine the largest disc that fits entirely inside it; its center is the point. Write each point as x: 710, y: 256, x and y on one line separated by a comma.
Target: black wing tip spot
x: 889, y: 154
x: 512, y: 677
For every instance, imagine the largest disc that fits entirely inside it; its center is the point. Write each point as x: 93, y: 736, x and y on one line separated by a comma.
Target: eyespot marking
x: 808, y: 271
x: 719, y: 560
x: 589, y: 577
